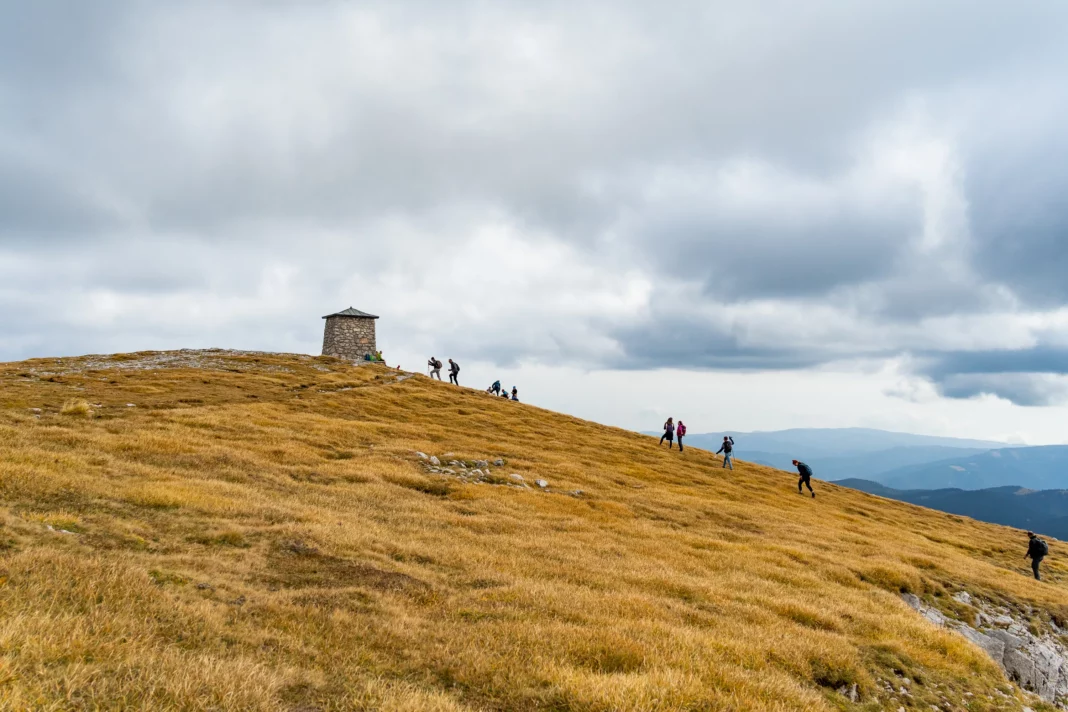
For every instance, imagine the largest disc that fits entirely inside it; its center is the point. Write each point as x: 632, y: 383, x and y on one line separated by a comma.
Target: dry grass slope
x: 233, y: 531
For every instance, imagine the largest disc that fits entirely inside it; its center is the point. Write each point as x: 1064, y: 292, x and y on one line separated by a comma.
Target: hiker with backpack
x: 679, y: 432
x: 435, y: 367
x: 806, y: 477
x: 454, y: 371
x: 515, y: 393
x: 495, y: 389
x: 1037, y: 549
x: 727, y: 448
x: 669, y: 432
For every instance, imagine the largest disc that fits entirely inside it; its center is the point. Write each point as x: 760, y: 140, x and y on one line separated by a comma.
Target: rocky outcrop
x: 1037, y: 663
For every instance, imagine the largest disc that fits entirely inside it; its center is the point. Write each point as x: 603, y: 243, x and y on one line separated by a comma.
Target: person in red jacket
x: 680, y: 430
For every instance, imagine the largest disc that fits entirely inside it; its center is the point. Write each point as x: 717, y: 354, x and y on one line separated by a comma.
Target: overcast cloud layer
x: 683, y: 185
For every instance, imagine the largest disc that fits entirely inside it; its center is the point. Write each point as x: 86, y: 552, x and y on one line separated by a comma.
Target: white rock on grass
x: 422, y: 455
x: 498, y: 462
x: 434, y: 460
x: 517, y: 477
x: 541, y: 483
x: 481, y: 463
x: 477, y: 473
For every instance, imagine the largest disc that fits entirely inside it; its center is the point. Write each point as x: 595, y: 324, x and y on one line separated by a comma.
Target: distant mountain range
x: 835, y: 453
x: 901, y: 461
x: 1040, y: 468
x: 1043, y: 511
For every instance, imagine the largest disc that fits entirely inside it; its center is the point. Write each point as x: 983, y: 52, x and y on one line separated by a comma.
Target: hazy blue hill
x: 870, y: 465
x: 843, y: 452
x: 1044, y: 511
x: 1041, y: 468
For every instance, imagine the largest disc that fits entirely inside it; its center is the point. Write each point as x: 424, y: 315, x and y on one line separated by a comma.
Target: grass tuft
x: 76, y: 408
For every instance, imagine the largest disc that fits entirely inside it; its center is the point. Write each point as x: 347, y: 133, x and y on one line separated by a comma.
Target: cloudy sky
x: 750, y: 215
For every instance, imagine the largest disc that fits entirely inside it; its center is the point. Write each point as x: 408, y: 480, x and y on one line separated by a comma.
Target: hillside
x: 234, y: 531
x: 1044, y: 511
x: 1041, y: 467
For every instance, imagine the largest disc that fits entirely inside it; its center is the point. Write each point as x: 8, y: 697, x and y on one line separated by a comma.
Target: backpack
x: 455, y: 367
x: 1043, y: 547
x: 681, y: 430
x: 437, y: 364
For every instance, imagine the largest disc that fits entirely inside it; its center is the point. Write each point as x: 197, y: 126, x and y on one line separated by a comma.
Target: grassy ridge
x: 256, y: 533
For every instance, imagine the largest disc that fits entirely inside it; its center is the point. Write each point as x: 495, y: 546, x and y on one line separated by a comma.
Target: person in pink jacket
x: 680, y: 430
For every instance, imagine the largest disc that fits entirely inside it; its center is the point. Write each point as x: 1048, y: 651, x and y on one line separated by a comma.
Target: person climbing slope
x: 806, y: 477
x: 669, y: 432
x: 727, y: 448
x: 1037, y: 549
x: 495, y: 389
x: 679, y: 432
x: 435, y: 367
x: 454, y: 372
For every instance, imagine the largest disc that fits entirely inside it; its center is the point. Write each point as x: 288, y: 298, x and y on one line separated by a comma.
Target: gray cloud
x: 605, y: 184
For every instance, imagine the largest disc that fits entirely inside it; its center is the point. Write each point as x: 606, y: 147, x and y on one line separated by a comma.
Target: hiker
x: 515, y: 393
x: 1037, y: 549
x: 504, y: 394
x: 495, y: 389
x: 806, y: 477
x: 679, y: 432
x: 669, y: 432
x: 454, y: 371
x: 727, y: 448
x: 435, y: 367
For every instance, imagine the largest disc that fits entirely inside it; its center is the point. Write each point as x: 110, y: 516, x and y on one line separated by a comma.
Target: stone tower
x: 349, y: 334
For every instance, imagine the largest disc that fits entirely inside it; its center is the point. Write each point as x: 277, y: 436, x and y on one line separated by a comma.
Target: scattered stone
x: 848, y: 692
x: 498, y: 462
x: 35, y: 410
x: 205, y: 587
x: 517, y: 477
x: 477, y: 473
x: 434, y: 460
x: 577, y: 493
x: 1003, y: 619
x: 963, y: 597
x: 130, y: 405
x: 481, y: 463
x: 541, y: 483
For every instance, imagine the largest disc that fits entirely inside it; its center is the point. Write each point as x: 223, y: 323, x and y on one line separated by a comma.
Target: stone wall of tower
x: 349, y: 337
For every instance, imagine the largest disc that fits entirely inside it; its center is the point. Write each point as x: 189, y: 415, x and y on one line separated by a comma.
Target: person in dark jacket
x: 454, y: 372
x: 669, y: 432
x: 495, y: 389
x: 679, y: 432
x: 727, y: 448
x: 515, y: 393
x: 806, y: 477
x: 1037, y: 550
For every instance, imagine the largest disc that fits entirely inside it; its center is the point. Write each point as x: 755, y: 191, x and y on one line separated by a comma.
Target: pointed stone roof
x: 352, y: 312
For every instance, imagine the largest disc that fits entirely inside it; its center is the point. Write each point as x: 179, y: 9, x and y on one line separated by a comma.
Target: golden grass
x: 76, y: 407
x: 258, y: 534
